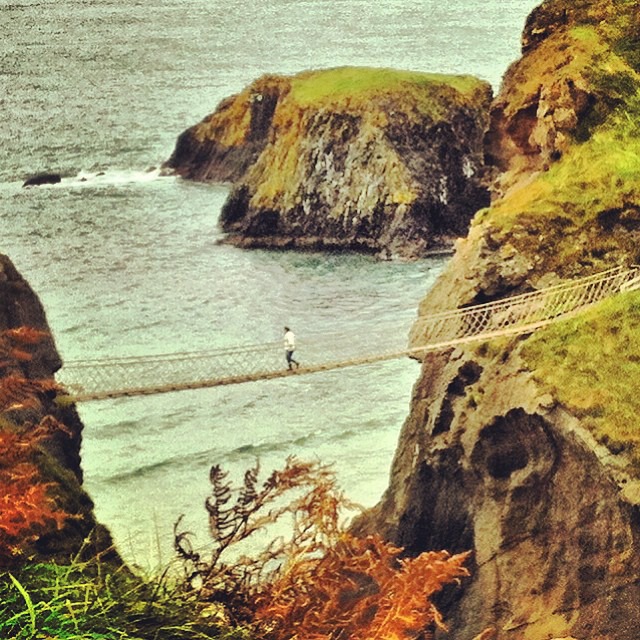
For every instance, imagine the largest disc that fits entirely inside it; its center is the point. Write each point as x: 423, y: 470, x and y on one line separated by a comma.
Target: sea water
x: 127, y: 262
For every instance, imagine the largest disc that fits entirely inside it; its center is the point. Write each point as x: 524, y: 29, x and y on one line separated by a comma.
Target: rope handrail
x: 174, y: 355
x: 524, y: 297
x: 98, y: 378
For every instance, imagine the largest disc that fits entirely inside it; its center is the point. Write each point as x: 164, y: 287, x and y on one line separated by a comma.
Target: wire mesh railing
x: 524, y: 312
x: 96, y: 379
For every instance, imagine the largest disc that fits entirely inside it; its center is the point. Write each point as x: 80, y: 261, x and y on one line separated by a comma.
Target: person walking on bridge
x: 290, y: 347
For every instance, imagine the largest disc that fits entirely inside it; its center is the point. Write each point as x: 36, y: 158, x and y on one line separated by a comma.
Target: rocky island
x: 377, y: 160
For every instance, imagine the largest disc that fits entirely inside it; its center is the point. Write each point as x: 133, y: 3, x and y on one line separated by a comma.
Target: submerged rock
x: 42, y: 178
x: 375, y: 160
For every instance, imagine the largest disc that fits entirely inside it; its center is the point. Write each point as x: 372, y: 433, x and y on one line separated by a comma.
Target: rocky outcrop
x: 226, y: 143
x: 517, y: 449
x: 58, y: 458
x: 19, y: 306
x: 369, y: 159
x: 42, y: 178
x: 489, y: 461
x: 580, y: 63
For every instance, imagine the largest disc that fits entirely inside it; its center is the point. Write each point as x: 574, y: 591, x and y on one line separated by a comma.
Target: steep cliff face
x: 58, y: 455
x: 382, y: 161
x: 580, y: 62
x: 526, y: 450
x: 226, y: 143
x: 490, y: 460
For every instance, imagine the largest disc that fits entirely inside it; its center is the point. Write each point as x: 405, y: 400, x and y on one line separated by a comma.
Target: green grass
x: 335, y: 86
x: 586, y: 34
x: 603, y: 172
x: 558, y: 215
x: 93, y: 602
x: 591, y: 364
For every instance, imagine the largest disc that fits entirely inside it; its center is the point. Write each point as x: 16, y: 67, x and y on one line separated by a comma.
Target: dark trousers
x: 290, y: 358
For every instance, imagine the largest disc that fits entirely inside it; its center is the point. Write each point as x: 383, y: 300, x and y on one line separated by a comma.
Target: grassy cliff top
x: 615, y: 20
x: 338, y: 86
x: 591, y: 364
x: 561, y: 215
x: 366, y: 89
x: 359, y: 90
x: 566, y: 54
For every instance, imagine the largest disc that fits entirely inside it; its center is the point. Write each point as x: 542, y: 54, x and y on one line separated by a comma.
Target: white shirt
x: 289, y: 341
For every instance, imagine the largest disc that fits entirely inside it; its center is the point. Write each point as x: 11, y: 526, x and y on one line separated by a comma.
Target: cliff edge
x: 377, y: 160
x: 527, y: 450
x: 46, y: 514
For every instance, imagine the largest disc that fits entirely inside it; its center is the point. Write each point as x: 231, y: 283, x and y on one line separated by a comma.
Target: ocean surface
x: 127, y: 262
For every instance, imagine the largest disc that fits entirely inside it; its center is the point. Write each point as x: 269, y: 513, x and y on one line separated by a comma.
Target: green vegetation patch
x: 591, y: 364
x: 90, y: 601
x: 563, y: 55
x: 563, y: 209
x: 601, y: 173
x: 358, y: 85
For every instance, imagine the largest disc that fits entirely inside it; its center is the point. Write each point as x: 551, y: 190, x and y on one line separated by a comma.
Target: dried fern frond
x: 18, y: 393
x: 25, y: 335
x: 405, y: 606
x: 360, y: 590
x: 13, y: 341
x: 28, y: 507
x: 321, y: 583
x: 236, y: 514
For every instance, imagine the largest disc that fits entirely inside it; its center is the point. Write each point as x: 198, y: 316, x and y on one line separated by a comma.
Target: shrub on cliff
x: 27, y: 509
x: 323, y: 582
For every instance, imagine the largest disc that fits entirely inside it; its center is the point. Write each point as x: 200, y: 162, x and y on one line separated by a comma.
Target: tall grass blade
x: 27, y: 598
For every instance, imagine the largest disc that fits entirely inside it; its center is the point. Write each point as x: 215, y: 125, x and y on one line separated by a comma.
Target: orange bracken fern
x: 323, y: 583
x: 360, y: 590
x: 27, y: 507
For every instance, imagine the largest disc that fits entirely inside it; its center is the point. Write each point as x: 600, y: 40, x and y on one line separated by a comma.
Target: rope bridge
x: 99, y: 379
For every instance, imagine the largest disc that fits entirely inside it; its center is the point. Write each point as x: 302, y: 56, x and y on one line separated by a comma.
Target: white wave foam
x: 110, y: 177
x: 114, y: 177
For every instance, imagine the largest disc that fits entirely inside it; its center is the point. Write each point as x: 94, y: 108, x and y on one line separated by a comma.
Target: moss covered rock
x: 378, y: 160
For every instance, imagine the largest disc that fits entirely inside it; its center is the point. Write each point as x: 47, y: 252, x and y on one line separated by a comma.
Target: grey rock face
x: 386, y: 176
